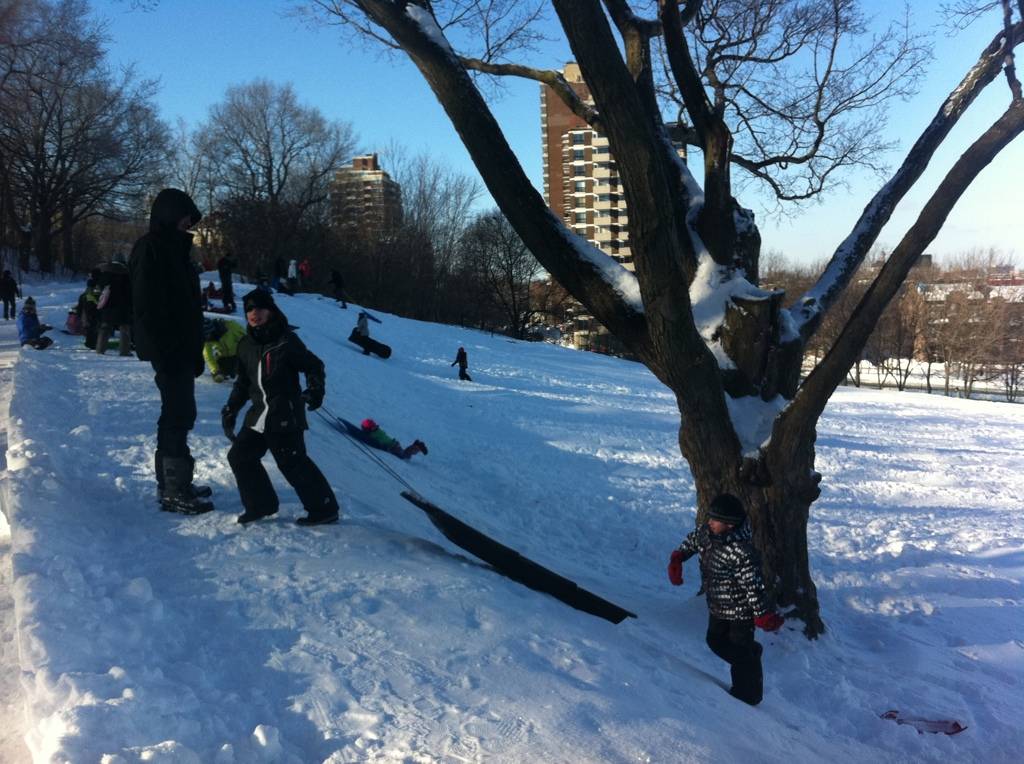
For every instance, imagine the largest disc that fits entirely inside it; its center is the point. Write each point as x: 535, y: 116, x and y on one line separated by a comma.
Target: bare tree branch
x: 549, y: 77
x: 812, y: 306
x: 821, y: 383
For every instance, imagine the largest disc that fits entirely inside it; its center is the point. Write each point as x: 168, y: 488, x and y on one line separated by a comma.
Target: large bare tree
x: 273, y: 158
x: 436, y: 204
x: 76, y: 139
x: 766, y: 88
x: 503, y: 269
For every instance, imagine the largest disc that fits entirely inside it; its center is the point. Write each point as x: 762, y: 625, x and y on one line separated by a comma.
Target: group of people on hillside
x: 103, y: 308
x: 267, y: 360
x: 292, y: 276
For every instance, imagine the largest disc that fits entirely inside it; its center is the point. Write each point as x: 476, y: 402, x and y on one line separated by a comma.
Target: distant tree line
x: 83, y: 150
x: 956, y: 324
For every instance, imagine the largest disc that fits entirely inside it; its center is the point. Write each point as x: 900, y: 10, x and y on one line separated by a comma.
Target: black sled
x: 370, y: 345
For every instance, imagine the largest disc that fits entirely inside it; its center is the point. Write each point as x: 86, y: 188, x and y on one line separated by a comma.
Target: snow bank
x: 147, y: 636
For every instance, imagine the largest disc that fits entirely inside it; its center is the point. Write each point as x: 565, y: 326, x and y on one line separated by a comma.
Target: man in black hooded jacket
x: 225, y: 266
x: 270, y: 358
x: 168, y: 332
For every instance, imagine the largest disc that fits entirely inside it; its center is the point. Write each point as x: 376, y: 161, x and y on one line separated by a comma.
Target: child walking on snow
x: 731, y: 572
x: 270, y: 359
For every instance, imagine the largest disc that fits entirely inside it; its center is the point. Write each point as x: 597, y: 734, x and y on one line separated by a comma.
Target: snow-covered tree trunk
x: 692, y: 311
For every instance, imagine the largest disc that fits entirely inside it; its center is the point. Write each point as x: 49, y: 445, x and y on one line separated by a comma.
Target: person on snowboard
x: 463, y: 362
x: 731, y: 571
x: 362, y: 329
x: 376, y: 437
x: 270, y: 358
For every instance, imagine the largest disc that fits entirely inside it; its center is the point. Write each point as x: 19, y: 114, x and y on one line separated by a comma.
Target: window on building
x: 578, y: 155
x: 580, y: 185
x: 581, y: 217
x: 579, y: 139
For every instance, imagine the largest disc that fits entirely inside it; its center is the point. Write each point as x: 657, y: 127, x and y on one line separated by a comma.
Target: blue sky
x: 198, y: 48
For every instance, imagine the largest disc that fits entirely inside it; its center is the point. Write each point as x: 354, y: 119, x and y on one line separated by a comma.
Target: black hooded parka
x: 270, y: 358
x: 166, y: 301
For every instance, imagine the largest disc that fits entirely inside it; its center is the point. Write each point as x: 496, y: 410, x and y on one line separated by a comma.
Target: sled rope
x: 335, y: 422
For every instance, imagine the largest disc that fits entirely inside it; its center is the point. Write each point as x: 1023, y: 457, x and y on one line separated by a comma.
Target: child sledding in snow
x: 30, y: 330
x: 373, y: 435
x: 731, y: 572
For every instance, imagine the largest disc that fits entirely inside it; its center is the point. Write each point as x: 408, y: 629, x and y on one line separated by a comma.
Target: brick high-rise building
x: 581, y: 183
x: 365, y: 201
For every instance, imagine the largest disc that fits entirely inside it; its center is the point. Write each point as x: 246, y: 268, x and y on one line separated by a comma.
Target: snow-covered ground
x: 147, y: 636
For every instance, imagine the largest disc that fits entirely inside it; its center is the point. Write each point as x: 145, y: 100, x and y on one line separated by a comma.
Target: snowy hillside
x: 148, y: 636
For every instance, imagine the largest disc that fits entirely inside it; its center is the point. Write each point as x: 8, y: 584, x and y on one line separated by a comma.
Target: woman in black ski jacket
x: 270, y: 358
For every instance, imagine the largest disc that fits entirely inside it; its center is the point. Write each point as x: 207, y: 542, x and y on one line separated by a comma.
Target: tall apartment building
x: 581, y: 183
x: 365, y: 200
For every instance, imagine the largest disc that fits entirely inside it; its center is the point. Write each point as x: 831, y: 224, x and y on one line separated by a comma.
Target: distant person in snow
x: 376, y: 437
x: 220, y: 347
x: 362, y: 324
x: 225, y: 267
x: 30, y: 331
x: 305, y: 273
x: 8, y: 291
x: 270, y: 359
x: 280, y: 273
x: 168, y: 332
x: 210, y: 293
x: 89, y: 311
x: 337, y: 282
x: 731, y: 571
x: 293, y: 276
x: 115, y: 307
x: 463, y: 362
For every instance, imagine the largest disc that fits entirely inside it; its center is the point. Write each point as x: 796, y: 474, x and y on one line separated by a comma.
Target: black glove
x: 313, y: 398
x: 227, y: 421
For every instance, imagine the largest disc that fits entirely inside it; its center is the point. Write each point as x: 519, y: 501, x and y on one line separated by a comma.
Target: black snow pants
x: 289, y: 451
x: 177, y: 411
x: 9, y: 308
x: 733, y: 642
x: 227, y: 295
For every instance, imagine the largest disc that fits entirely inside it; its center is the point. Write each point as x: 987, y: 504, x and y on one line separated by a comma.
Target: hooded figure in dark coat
x: 115, y: 307
x: 168, y: 332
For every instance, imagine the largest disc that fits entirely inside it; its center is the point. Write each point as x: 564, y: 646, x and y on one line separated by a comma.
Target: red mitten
x: 675, y: 568
x: 771, y: 621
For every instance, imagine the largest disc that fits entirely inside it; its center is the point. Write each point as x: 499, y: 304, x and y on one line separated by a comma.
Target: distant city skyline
x: 198, y: 49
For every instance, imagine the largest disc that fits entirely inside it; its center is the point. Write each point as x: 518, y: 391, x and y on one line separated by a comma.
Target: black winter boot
x: 198, y: 491
x: 178, y: 493
x: 318, y: 519
x: 250, y: 517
